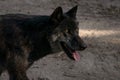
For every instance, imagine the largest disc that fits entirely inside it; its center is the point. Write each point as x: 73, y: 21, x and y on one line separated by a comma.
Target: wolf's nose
x: 84, y: 46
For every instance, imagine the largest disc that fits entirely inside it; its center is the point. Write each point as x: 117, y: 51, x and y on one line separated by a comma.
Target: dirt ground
x: 99, y: 28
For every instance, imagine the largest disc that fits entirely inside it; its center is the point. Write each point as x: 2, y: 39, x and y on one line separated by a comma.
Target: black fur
x: 27, y: 38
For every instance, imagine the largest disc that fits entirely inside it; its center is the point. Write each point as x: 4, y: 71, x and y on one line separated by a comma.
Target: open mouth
x: 71, y: 53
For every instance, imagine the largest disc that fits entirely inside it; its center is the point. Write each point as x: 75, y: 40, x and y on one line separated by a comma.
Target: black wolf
x: 27, y: 38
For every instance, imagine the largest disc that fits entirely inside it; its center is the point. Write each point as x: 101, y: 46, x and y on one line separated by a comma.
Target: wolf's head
x: 65, y: 32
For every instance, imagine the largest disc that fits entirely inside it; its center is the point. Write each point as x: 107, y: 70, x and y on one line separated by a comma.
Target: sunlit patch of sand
x: 107, y: 36
x: 97, y: 33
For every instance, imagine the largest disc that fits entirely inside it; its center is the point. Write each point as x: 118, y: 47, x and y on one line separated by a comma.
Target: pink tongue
x: 76, y: 56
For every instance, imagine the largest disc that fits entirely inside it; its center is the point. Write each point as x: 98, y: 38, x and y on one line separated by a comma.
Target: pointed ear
x: 72, y: 12
x: 57, y: 15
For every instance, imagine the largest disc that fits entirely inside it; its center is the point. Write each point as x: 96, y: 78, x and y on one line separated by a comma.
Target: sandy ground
x: 100, y: 29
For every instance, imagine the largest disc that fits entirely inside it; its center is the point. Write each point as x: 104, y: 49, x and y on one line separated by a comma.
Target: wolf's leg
x: 17, y: 68
x: 1, y: 70
x: 18, y: 75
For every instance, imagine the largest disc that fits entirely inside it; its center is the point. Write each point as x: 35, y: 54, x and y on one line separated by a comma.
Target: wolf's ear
x: 57, y: 15
x: 72, y: 12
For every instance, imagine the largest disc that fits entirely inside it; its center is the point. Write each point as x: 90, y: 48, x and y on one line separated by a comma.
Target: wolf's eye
x: 68, y: 31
